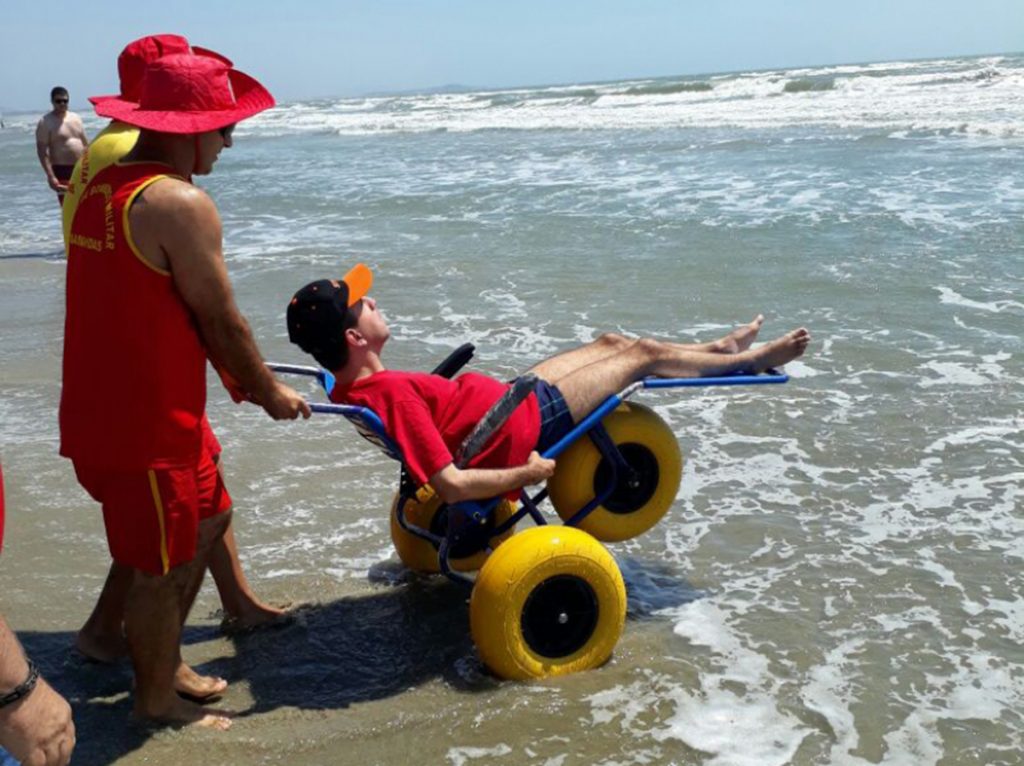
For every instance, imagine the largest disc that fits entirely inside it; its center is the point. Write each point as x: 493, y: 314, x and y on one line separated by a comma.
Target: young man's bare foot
x: 744, y: 336
x: 179, y: 712
x: 740, y: 338
x: 101, y: 648
x: 777, y: 352
x: 193, y: 686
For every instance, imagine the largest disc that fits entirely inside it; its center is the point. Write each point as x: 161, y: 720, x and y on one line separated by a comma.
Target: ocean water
x: 839, y: 580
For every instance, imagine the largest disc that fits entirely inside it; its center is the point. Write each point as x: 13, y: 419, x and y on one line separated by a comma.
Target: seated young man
x: 429, y: 416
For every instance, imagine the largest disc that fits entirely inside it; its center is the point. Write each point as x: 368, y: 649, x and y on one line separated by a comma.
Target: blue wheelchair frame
x: 469, y: 524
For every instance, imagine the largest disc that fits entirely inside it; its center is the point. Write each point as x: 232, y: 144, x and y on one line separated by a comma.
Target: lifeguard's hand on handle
x: 281, y: 402
x: 284, y: 403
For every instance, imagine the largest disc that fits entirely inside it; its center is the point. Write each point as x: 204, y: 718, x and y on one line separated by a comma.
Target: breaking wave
x: 804, y: 84
x: 667, y: 89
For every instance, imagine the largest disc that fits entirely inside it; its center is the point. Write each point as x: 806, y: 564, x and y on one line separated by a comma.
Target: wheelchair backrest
x: 371, y: 428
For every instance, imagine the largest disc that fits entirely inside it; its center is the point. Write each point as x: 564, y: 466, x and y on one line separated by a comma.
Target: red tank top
x: 134, y: 387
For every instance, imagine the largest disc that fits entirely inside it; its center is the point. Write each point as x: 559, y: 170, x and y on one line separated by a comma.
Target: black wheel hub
x: 465, y: 541
x: 559, y: 616
x: 439, y: 524
x: 634, y: 487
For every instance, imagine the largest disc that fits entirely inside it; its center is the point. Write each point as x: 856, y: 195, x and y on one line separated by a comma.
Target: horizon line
x: 461, y: 88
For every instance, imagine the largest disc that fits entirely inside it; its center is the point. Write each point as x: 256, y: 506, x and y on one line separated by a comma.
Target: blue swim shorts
x: 555, y: 420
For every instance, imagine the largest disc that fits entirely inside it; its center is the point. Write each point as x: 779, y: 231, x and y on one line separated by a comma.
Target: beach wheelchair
x: 548, y: 600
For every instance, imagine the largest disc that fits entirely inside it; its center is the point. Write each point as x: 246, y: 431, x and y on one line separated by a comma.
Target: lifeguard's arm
x: 176, y: 227
x: 454, y: 485
x: 37, y: 728
x: 43, y: 152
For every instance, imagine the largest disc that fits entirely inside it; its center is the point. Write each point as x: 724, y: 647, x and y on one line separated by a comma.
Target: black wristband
x: 23, y: 689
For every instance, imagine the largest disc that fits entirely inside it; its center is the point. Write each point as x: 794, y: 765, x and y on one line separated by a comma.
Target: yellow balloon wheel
x: 420, y: 555
x: 650, y: 447
x: 550, y: 601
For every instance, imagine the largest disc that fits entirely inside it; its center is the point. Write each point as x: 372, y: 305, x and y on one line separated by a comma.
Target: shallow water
x: 839, y: 579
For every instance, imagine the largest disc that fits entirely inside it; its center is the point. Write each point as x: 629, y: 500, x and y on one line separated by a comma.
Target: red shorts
x: 152, y: 516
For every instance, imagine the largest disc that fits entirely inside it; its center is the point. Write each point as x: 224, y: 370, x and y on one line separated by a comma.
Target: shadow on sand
x: 334, y: 654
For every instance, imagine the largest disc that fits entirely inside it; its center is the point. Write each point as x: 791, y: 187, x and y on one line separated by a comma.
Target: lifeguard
x: 143, y: 315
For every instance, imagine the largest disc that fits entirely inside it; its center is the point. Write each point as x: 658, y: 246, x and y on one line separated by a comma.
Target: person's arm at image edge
x: 37, y: 729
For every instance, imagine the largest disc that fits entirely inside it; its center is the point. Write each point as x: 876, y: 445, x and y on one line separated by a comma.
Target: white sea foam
x: 827, y: 689
x: 733, y: 717
x: 460, y: 756
x: 980, y: 687
x: 978, y: 435
x: 961, y: 374
x: 965, y: 97
x: 952, y: 297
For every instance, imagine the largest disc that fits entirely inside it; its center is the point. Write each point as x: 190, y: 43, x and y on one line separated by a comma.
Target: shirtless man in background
x: 60, y: 141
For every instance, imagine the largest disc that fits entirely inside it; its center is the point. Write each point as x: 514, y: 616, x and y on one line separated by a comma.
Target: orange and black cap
x: 319, y: 314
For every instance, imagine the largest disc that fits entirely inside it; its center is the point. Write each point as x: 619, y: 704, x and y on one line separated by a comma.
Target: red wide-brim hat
x: 136, y: 56
x: 188, y: 93
x: 139, y: 54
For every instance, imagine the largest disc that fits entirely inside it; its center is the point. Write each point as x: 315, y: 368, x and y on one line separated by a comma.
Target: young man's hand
x: 454, y: 485
x: 539, y: 468
x: 37, y: 730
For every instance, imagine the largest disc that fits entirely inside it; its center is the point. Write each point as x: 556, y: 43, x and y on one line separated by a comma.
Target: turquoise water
x: 839, y: 578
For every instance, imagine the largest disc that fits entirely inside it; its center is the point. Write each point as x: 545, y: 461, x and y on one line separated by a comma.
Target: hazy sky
x: 307, y: 48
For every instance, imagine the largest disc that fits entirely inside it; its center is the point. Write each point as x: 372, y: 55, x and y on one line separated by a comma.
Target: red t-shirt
x: 429, y: 416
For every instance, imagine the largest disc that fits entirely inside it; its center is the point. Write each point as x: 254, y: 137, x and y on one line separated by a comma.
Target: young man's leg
x: 738, y: 340
x: 609, y: 344
x: 585, y: 388
x: 558, y: 366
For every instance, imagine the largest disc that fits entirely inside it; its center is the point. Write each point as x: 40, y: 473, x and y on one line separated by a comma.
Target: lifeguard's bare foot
x: 106, y: 649
x: 257, y: 616
x: 179, y: 712
x: 780, y: 351
x: 739, y: 339
x: 193, y: 686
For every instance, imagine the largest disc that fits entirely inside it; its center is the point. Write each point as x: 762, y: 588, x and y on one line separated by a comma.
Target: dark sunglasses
x: 226, y: 131
x: 60, y: 101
